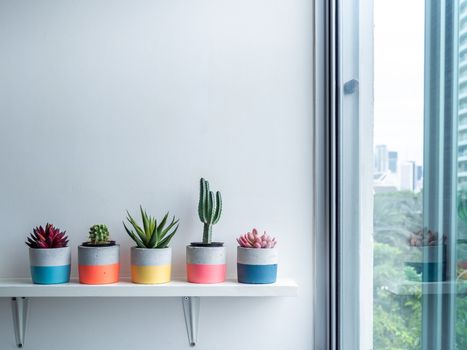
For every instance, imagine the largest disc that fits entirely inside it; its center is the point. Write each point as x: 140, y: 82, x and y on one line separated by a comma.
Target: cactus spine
x: 99, y: 234
x: 209, y: 209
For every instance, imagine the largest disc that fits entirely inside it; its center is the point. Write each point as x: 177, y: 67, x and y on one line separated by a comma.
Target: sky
x: 398, y: 77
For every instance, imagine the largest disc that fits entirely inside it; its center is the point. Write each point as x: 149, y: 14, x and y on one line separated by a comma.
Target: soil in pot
x: 90, y: 244
x: 212, y: 244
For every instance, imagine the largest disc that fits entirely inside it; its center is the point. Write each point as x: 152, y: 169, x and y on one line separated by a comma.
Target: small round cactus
x: 254, y: 240
x: 99, y: 234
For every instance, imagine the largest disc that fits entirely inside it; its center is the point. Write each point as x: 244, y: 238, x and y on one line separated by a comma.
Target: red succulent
x: 50, y: 237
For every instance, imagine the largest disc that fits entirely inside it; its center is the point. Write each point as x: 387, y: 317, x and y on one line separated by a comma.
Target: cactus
x: 99, y: 234
x: 254, y: 240
x: 50, y: 237
x: 209, y: 209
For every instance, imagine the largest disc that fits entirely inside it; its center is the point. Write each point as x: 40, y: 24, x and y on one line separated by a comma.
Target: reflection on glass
x: 399, y: 237
x: 420, y: 175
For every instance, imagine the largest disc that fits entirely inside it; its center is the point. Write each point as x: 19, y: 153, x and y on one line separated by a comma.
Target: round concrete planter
x: 205, y: 264
x: 99, y: 265
x: 425, y: 260
x: 50, y: 265
x: 256, y: 265
x: 151, y: 266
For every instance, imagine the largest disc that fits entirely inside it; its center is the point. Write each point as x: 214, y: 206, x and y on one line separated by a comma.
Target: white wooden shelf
x: 22, y: 287
x: 21, y: 290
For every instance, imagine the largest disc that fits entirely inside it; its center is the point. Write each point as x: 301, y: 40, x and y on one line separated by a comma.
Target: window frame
x: 342, y: 86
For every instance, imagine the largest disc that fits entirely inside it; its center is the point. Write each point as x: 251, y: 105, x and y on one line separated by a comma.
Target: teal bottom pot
x: 256, y: 265
x: 50, y: 265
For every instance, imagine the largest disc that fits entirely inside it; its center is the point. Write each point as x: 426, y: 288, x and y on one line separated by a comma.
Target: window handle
x: 350, y: 87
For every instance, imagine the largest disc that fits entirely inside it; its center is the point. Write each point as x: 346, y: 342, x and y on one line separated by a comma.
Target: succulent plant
x: 50, y: 237
x: 151, y: 235
x: 209, y: 209
x: 421, y: 239
x: 99, y: 234
x: 254, y: 240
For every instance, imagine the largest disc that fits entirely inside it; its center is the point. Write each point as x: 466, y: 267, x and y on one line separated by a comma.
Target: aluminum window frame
x: 337, y: 88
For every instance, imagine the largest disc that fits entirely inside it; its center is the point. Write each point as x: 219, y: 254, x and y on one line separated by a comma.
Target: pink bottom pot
x: 201, y: 273
x: 205, y: 264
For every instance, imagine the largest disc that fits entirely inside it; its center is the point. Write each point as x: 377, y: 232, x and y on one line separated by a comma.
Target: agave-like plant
x: 48, y: 237
x: 151, y: 235
x: 254, y: 240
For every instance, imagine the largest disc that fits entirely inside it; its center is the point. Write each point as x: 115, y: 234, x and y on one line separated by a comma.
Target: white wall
x: 108, y: 104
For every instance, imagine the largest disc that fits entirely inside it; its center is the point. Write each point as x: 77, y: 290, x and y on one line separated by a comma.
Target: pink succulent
x: 254, y: 240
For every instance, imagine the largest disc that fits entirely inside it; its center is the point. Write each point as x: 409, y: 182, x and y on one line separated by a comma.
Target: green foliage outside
x: 397, y: 319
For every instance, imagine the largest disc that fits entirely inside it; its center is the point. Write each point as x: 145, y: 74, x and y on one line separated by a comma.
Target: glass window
x: 401, y: 163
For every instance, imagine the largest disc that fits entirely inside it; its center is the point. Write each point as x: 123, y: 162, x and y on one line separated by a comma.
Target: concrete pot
x: 256, y: 265
x: 99, y: 265
x: 151, y: 266
x: 425, y: 261
x: 205, y: 264
x: 50, y: 265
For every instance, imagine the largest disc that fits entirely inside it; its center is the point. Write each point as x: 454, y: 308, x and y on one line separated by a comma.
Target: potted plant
x: 49, y: 255
x: 427, y: 255
x: 98, y: 258
x: 205, y: 261
x: 151, y: 258
x: 256, y: 258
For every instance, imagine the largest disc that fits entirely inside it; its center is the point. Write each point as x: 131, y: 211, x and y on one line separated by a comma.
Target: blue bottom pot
x: 50, y: 265
x: 256, y: 265
x: 425, y: 262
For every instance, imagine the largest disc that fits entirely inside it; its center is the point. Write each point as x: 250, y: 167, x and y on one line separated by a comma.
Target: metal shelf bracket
x: 191, y: 312
x: 19, y: 308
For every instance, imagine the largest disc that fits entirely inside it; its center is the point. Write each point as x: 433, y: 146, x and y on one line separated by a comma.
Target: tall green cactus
x: 209, y: 210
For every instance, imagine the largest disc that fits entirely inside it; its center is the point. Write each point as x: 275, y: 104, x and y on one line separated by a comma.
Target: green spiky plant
x: 99, y: 235
x: 151, y: 235
x: 209, y: 209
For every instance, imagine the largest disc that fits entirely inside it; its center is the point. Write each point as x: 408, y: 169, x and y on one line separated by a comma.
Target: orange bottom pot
x: 98, y: 274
